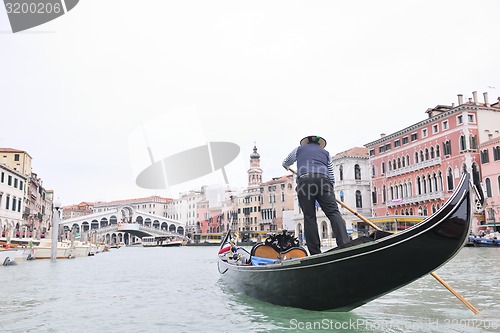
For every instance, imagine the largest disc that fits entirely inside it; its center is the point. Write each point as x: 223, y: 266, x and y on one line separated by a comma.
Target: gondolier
x: 316, y: 182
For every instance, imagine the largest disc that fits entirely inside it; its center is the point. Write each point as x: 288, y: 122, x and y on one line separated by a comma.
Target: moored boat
x: 344, y: 278
x: 44, y: 250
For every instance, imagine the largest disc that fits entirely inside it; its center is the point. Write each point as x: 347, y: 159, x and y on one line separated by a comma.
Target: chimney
x: 460, y: 99
x: 474, y: 95
x: 382, y: 135
x: 486, y: 102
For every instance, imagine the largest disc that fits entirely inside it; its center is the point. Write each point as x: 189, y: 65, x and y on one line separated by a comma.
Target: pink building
x: 415, y: 170
x: 490, y: 169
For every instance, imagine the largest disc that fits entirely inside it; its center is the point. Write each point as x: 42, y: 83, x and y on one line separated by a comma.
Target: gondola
x: 343, y: 279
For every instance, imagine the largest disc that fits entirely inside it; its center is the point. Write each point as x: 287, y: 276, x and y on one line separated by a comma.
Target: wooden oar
x: 434, y: 275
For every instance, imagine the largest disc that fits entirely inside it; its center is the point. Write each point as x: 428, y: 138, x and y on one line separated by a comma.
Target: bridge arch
x: 113, y: 220
x: 139, y: 220
x: 104, y: 222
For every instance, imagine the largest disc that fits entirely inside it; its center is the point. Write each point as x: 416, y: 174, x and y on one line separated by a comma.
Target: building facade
x: 415, y: 170
x: 12, y: 189
x: 490, y: 171
x: 36, y: 200
x: 277, y: 197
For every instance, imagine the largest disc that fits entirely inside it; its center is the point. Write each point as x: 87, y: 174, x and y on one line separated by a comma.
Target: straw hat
x: 313, y: 138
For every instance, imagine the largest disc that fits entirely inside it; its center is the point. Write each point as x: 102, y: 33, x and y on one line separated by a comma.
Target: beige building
x: 277, y: 197
x: 17, y: 160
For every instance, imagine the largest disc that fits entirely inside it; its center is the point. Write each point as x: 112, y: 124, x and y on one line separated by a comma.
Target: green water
x: 138, y: 289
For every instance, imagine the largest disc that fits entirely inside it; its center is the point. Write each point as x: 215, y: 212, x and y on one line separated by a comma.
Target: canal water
x: 135, y: 289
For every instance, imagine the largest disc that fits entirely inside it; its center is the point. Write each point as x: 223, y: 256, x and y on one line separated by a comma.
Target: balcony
x: 410, y: 168
x: 439, y: 195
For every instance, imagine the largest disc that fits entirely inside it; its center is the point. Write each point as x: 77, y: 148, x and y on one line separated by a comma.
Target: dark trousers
x: 312, y: 188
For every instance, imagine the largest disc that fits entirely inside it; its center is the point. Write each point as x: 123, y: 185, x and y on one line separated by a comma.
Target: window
x: 496, y: 153
x: 405, y: 140
x: 9, y: 182
x: 424, y: 133
x: 373, y: 171
x: 374, y: 195
x: 372, y: 152
x: 488, y: 188
x: 387, y: 147
x: 381, y: 149
x: 15, y: 182
x: 447, y: 147
x: 460, y: 120
x: 383, y: 167
x: 463, y: 144
x: 384, y: 194
x: 473, y: 142
x: 485, y: 158
x: 449, y: 179
x: 341, y: 171
x: 359, y: 201
x: 16, y: 157
x: 470, y: 118
x: 435, y: 129
x: 414, y: 137
x: 397, y: 143
x: 3, y: 177
x: 357, y: 172
x: 445, y: 125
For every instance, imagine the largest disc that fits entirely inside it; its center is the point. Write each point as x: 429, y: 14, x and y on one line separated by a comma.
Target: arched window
x: 424, y: 185
x: 359, y: 201
x: 384, y: 195
x: 437, y: 151
x: 341, y: 171
x: 416, y: 157
x: 324, y: 230
x: 357, y: 172
x: 394, y: 164
x: 403, y: 162
x: 449, y: 180
x: 432, y: 152
x: 419, y: 186
x: 399, y: 163
x: 374, y: 195
x: 422, y: 156
x: 426, y: 154
x: 373, y: 170
x: 488, y: 188
x: 383, y: 167
x: 463, y: 144
x: 408, y: 160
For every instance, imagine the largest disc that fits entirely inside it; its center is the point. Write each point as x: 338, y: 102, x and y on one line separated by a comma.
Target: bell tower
x: 255, y: 172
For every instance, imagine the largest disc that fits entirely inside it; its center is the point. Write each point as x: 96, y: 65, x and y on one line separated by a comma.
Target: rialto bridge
x: 123, y: 224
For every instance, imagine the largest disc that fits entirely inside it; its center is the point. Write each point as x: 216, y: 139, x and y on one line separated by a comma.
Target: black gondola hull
x: 344, y: 279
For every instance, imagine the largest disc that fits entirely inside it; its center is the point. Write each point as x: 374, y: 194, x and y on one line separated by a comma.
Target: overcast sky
x: 76, y: 93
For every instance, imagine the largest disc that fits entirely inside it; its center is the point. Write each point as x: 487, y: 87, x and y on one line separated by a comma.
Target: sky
x: 87, y: 93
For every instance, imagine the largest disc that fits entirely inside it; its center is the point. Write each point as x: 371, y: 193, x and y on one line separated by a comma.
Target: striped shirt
x: 292, y: 158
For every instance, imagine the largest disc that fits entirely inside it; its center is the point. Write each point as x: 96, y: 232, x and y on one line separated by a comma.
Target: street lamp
x: 55, y: 228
